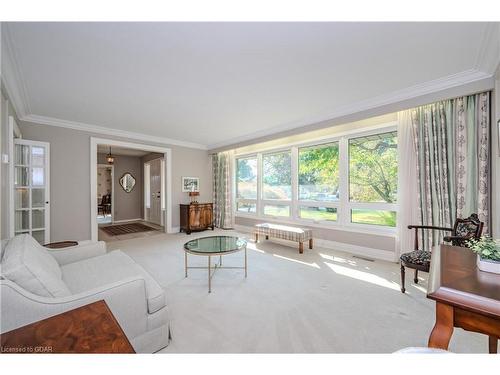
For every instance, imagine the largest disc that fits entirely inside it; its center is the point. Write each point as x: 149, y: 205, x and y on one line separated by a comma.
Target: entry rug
x: 116, y: 230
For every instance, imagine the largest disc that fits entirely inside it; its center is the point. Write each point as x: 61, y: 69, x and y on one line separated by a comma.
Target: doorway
x: 165, y: 216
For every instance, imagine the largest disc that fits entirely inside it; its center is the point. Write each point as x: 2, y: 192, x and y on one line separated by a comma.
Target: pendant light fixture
x: 110, y: 158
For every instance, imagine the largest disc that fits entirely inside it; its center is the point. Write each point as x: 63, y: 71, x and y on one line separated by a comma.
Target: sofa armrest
x: 84, y: 250
x: 125, y: 298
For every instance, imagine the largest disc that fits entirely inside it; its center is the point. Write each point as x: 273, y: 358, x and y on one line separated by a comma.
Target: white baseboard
x: 175, y: 229
x: 368, y: 252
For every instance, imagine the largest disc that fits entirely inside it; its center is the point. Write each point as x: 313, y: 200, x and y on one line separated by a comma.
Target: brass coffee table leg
x: 209, y: 275
x: 245, y: 261
x: 186, y: 264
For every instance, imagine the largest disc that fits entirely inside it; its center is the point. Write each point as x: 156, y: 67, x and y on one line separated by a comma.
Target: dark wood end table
x: 88, y: 329
x: 60, y: 244
x: 465, y: 296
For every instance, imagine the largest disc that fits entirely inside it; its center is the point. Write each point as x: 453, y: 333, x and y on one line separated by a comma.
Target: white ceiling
x: 104, y: 149
x: 216, y: 83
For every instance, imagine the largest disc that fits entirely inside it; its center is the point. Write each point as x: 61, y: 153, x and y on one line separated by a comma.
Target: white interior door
x: 155, y: 191
x: 31, y: 189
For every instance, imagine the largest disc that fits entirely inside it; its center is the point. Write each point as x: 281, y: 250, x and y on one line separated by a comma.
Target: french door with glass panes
x: 31, y: 189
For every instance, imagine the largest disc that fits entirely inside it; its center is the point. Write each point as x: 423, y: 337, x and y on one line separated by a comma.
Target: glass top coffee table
x: 214, y: 246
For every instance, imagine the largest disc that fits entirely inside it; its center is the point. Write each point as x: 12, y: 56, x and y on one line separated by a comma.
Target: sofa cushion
x: 30, y: 266
x: 110, y: 268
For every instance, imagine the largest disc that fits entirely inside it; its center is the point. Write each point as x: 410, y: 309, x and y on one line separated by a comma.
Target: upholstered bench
x: 285, y: 232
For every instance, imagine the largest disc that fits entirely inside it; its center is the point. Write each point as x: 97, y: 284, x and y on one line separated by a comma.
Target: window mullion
x: 343, y: 215
x: 259, y: 209
x: 295, y: 181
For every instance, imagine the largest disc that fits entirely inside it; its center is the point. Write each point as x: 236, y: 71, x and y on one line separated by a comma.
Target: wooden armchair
x: 420, y: 259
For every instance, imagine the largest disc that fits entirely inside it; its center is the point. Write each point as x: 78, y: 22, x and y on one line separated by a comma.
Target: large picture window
x: 349, y: 181
x: 318, y: 182
x: 277, y: 176
x: 373, y: 178
x: 277, y: 183
x: 319, y: 173
x: 246, y: 185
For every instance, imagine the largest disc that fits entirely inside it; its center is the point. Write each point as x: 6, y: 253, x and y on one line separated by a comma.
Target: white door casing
x: 155, y: 191
x: 31, y: 206
x: 167, y: 155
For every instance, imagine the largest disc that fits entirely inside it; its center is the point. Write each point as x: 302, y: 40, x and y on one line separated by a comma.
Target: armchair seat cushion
x: 109, y: 268
x: 418, y: 257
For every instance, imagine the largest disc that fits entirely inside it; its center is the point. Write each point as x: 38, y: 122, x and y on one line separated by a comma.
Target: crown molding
x: 488, y: 56
x: 12, y: 78
x: 412, y: 92
x: 89, y: 128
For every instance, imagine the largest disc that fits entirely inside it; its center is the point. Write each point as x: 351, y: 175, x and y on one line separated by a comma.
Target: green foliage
x: 277, y: 169
x: 247, y: 169
x: 247, y: 178
x: 486, y: 247
x: 319, y: 165
x: 277, y: 175
x: 373, y: 172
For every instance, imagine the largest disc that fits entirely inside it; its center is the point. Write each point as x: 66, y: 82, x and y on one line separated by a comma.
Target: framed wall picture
x: 190, y: 184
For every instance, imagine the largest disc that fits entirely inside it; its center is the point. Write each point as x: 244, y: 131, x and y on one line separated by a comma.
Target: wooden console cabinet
x: 196, y: 217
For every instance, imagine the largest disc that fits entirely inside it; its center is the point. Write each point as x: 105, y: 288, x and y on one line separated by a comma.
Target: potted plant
x: 488, y: 253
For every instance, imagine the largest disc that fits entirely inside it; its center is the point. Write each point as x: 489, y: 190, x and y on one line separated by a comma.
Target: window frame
x: 311, y: 203
x: 350, y: 205
x: 343, y: 205
x: 272, y: 202
x: 235, y: 192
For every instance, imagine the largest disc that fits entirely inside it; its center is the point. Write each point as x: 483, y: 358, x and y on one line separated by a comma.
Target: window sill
x: 355, y: 228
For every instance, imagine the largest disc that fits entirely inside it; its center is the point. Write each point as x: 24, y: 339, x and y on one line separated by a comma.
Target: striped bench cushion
x: 284, y: 232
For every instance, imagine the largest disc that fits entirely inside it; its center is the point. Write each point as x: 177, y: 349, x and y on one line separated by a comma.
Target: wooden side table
x: 88, y: 329
x: 465, y: 296
x: 60, y: 245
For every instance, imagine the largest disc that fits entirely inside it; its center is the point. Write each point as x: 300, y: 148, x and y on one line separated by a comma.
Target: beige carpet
x: 323, y: 301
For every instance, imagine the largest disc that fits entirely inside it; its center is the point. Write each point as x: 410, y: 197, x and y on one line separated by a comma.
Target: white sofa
x: 37, y: 282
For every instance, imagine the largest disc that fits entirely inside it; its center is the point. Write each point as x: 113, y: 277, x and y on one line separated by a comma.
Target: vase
x: 488, y: 265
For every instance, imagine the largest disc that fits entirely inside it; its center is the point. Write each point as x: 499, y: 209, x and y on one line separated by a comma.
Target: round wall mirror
x: 127, y: 182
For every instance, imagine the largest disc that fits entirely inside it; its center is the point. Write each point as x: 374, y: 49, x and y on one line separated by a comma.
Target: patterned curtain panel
x: 452, y: 145
x: 222, y: 197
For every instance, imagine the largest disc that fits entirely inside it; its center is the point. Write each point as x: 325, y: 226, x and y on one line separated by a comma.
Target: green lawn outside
x: 372, y: 217
x: 311, y: 213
